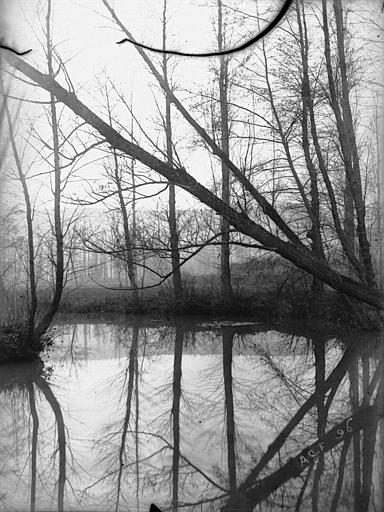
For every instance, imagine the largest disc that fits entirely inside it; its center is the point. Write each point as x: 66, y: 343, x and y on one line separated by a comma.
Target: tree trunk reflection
x: 177, y: 372
x: 131, y: 373
x: 229, y: 408
x: 319, y: 353
x: 61, y: 438
x: 35, y: 430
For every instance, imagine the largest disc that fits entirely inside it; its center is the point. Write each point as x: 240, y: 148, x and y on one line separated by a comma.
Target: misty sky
x: 86, y: 39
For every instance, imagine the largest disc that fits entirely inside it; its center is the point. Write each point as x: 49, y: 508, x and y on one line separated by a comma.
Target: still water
x: 199, y: 416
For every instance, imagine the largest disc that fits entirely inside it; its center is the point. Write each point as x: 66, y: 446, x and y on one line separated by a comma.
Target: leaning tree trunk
x: 297, y: 253
x: 264, y: 204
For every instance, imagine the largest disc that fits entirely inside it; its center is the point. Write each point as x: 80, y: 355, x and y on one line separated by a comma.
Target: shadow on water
x: 119, y: 416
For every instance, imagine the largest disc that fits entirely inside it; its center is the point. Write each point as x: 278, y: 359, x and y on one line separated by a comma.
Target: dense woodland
x: 276, y: 150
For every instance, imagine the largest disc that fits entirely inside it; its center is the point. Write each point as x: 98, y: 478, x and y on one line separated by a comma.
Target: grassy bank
x: 271, y: 293
x: 202, y: 297
x: 286, y: 311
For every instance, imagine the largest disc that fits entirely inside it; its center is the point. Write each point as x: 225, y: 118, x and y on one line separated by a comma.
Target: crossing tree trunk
x: 297, y: 253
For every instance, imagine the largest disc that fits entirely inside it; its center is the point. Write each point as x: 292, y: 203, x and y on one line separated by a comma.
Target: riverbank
x: 15, y: 345
x: 12, y: 345
x: 337, y: 317
x: 263, y: 304
x: 264, y: 300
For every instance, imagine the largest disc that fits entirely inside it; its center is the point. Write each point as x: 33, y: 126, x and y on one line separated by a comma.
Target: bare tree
x: 172, y: 219
x: 297, y: 254
x: 4, y: 139
x: 225, y: 174
x: 117, y: 178
x: 29, y: 216
x: 343, y: 114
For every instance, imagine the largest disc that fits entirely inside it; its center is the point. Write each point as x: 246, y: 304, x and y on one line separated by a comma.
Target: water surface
x: 126, y: 412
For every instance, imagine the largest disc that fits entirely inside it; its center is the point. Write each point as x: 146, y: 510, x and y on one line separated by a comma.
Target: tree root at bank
x: 16, y: 345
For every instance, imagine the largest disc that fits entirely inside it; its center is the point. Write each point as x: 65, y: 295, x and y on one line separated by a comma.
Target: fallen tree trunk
x: 297, y: 254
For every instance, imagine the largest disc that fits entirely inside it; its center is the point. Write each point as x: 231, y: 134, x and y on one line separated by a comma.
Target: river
x: 194, y: 415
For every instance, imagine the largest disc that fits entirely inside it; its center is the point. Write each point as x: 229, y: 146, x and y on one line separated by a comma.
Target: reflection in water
x: 20, y: 385
x: 229, y: 409
x: 318, y: 344
x: 223, y: 417
x: 131, y: 375
x: 177, y: 372
x: 35, y: 429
